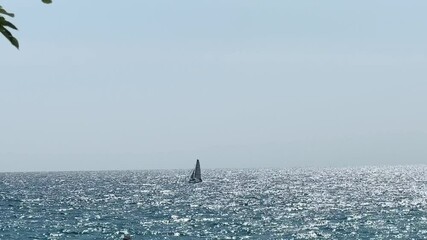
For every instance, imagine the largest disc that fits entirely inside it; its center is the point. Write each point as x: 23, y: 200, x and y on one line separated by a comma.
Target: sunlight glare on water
x: 371, y: 202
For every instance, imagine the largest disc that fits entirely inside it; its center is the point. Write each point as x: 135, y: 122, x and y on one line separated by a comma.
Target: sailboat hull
x: 195, y: 181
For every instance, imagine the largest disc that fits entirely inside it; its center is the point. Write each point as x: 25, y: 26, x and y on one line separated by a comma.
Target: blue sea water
x: 342, y: 203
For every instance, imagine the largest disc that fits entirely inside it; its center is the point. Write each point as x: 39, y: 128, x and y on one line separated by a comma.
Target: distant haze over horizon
x: 154, y: 166
x: 236, y: 84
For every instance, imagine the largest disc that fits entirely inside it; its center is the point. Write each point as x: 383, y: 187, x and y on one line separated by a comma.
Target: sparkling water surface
x: 344, y: 203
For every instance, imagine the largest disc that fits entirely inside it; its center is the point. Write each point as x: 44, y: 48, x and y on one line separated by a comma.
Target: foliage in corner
x: 6, y: 26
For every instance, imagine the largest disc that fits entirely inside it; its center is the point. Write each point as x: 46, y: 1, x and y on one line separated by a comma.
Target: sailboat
x: 196, y: 175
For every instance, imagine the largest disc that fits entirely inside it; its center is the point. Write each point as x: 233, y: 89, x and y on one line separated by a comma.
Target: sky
x: 131, y: 85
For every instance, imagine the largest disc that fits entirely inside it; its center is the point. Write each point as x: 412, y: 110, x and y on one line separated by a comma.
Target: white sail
x: 196, y: 175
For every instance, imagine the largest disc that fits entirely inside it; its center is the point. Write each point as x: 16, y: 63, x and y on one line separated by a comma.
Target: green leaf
x: 4, y: 22
x: 9, y: 36
x: 2, y: 11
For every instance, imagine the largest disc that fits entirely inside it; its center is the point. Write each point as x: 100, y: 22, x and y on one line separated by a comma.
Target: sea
x: 300, y: 203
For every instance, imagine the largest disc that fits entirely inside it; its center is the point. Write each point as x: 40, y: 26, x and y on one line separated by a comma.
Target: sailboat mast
x: 198, y: 170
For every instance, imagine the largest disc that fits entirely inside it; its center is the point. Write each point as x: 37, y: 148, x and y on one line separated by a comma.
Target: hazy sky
x: 236, y: 83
